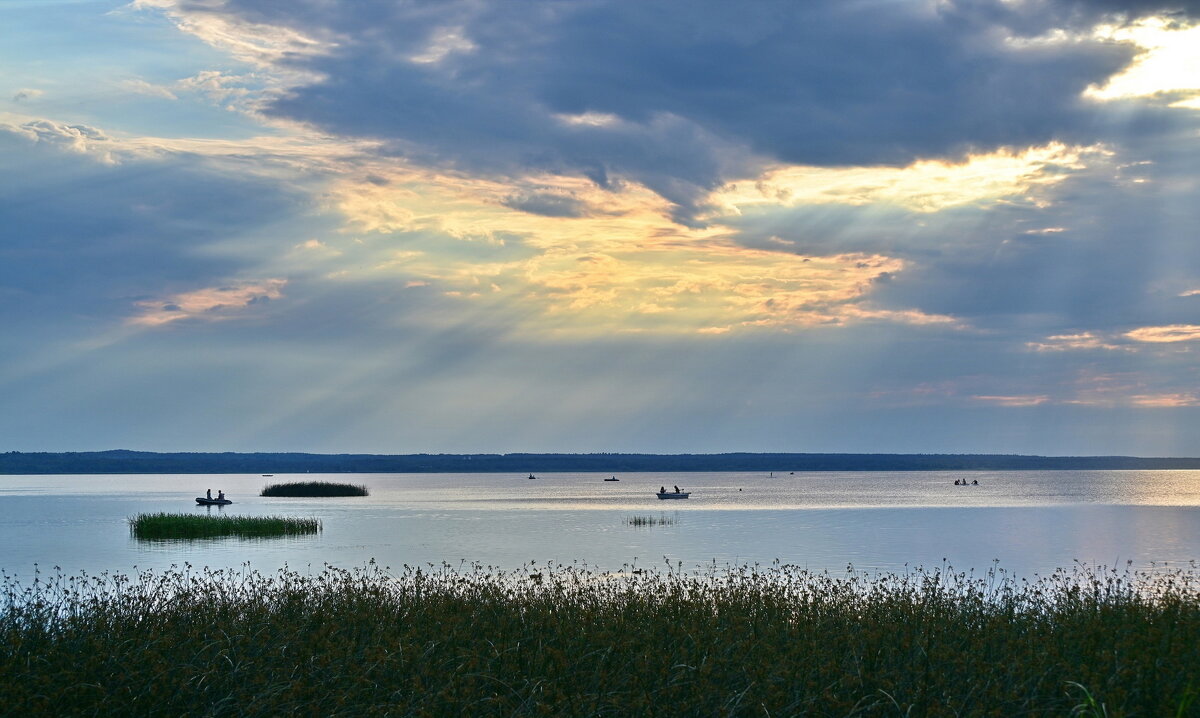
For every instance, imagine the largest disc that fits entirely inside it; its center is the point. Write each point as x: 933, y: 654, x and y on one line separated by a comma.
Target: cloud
x: 926, y: 186
x: 443, y: 42
x: 901, y: 131
x: 760, y: 222
x: 1158, y: 401
x: 547, y: 204
x: 79, y: 138
x: 141, y: 87
x: 1168, y: 64
x: 26, y: 93
x: 84, y: 239
x: 249, y: 41
x: 1166, y: 335
x: 678, y: 104
x: 218, y: 86
x: 1082, y: 341
x: 1035, y: 400
x: 208, y: 304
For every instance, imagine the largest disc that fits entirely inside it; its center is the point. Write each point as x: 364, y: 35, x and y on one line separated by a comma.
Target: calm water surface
x: 1027, y: 522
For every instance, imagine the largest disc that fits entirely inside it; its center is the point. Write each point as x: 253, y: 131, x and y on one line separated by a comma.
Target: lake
x: 1025, y: 522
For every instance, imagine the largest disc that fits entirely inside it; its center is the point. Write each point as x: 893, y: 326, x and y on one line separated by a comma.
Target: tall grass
x: 314, y: 488
x: 561, y: 641
x: 660, y: 520
x: 193, y: 526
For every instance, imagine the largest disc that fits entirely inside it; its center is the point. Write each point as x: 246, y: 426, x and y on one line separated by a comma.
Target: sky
x: 915, y: 226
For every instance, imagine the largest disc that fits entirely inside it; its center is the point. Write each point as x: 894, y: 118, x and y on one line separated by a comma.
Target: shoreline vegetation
x: 145, y: 462
x: 314, y: 488
x: 567, y: 641
x: 165, y: 526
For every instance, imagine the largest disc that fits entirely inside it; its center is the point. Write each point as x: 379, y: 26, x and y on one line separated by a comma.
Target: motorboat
x: 673, y: 494
x: 613, y: 479
x: 212, y: 502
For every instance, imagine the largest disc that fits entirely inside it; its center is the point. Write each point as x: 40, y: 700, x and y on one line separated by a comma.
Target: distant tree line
x: 145, y: 462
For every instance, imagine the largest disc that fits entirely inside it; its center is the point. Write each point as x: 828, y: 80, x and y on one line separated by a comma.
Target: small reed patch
x: 661, y: 520
x: 314, y: 488
x: 189, y: 526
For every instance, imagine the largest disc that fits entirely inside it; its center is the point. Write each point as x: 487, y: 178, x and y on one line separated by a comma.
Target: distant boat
x: 532, y: 476
x: 268, y: 474
x: 613, y: 479
x: 212, y: 502
x: 673, y: 494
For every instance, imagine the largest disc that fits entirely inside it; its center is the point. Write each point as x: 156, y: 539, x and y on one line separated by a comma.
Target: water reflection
x: 1030, y: 522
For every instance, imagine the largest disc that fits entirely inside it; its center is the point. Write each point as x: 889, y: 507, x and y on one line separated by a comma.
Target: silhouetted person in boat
x: 677, y: 490
x: 208, y: 494
x: 975, y: 482
x: 662, y: 489
x: 220, y: 496
x: 956, y: 482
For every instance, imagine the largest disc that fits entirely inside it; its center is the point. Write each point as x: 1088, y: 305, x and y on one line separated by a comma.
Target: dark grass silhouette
x: 571, y: 642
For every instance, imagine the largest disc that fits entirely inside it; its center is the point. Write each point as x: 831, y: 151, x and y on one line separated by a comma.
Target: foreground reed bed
x: 194, y: 526
x: 569, y: 642
x: 314, y: 488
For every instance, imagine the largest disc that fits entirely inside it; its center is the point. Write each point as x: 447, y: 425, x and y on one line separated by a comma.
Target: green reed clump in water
x: 194, y: 526
x: 569, y: 642
x: 662, y: 520
x: 314, y: 488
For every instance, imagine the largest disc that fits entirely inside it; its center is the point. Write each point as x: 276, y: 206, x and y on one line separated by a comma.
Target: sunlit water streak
x: 1030, y: 522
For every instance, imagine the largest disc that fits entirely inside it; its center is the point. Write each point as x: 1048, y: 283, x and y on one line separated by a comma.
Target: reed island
x: 192, y: 526
x: 314, y: 488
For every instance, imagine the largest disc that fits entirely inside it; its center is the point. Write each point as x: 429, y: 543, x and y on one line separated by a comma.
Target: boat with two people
x: 208, y: 500
x: 676, y: 494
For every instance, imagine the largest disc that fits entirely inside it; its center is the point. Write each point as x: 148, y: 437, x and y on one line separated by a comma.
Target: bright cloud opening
x: 1168, y: 61
x: 1073, y: 342
x: 925, y: 186
x: 1166, y: 334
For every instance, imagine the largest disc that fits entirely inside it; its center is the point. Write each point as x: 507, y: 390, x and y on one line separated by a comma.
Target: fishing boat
x: 673, y: 494
x: 532, y: 476
x: 212, y: 502
x: 613, y: 479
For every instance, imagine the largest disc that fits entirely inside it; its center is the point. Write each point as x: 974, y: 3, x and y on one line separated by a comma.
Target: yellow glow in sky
x: 1168, y: 61
x: 621, y: 265
x: 926, y: 186
x: 1166, y: 334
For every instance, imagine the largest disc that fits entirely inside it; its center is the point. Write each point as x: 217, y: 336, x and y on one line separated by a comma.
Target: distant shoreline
x: 146, y: 462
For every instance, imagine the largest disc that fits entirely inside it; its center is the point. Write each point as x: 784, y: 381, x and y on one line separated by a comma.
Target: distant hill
x: 145, y: 462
